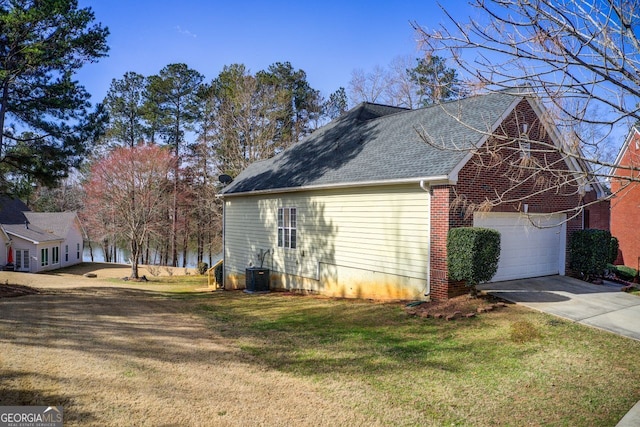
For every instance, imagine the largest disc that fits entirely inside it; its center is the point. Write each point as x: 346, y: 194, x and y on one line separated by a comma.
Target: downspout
x: 224, y: 241
x: 425, y: 187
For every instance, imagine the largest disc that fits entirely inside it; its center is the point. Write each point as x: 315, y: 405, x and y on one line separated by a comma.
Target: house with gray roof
x: 38, y: 241
x: 362, y: 206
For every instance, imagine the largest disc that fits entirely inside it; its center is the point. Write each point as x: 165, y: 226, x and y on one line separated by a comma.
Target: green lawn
x: 510, y: 367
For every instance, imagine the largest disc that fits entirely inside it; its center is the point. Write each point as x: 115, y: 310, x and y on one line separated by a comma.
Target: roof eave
x: 430, y: 180
x: 36, y: 242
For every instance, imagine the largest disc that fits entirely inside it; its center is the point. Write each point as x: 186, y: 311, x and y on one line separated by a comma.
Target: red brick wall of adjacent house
x: 500, y: 171
x: 625, y: 205
x: 597, y: 214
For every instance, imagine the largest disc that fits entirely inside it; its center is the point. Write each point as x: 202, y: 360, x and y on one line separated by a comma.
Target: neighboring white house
x: 38, y: 241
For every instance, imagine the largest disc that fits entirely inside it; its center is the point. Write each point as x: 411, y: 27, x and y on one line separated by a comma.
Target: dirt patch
x: 8, y: 291
x: 463, y: 306
x: 113, y: 357
x: 85, y: 275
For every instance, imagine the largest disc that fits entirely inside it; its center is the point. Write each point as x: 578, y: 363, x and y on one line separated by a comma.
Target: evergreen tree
x: 45, y: 120
x: 435, y: 81
x: 124, y: 102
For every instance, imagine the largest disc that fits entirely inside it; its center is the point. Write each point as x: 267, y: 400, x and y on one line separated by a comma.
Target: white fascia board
x: 4, y: 233
x: 634, y: 131
x: 431, y: 180
x: 83, y: 232
x: 36, y: 242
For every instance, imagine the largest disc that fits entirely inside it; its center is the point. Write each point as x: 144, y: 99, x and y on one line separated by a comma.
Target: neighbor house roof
x: 635, y: 130
x: 16, y: 219
x: 11, y: 210
x: 376, y: 144
x: 57, y: 223
x: 31, y: 232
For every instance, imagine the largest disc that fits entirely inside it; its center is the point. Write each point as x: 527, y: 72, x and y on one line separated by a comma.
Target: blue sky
x: 326, y: 39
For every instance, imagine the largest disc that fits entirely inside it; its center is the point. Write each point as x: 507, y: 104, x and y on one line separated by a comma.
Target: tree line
x: 208, y: 128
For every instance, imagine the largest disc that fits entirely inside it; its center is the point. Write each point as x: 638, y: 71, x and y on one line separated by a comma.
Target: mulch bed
x: 456, y: 308
x: 7, y: 291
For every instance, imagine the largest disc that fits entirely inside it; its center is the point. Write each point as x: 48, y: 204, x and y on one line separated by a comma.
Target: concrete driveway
x: 600, y: 306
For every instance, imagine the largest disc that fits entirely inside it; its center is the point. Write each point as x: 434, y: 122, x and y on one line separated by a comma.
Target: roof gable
x: 58, y: 223
x: 634, y: 135
x: 373, y: 143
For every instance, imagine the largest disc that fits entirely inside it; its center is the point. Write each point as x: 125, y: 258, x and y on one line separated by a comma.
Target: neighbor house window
x: 287, y: 228
x: 55, y: 255
x: 44, y: 257
x: 66, y: 253
x: 78, y: 251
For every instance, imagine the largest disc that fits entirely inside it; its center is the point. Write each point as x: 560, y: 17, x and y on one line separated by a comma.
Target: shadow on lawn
x: 15, y: 396
x: 293, y: 334
x: 113, y: 322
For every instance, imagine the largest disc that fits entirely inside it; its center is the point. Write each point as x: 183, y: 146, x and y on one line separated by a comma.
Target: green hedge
x: 589, y: 252
x: 202, y: 267
x: 473, y: 254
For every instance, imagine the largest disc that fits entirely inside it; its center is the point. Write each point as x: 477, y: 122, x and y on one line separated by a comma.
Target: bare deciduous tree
x: 126, y: 195
x: 580, y: 58
x: 407, y: 82
x: 368, y: 87
x: 247, y: 113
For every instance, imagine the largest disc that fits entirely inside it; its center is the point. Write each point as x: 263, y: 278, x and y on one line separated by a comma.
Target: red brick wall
x: 598, y: 214
x: 625, y: 206
x: 497, y: 180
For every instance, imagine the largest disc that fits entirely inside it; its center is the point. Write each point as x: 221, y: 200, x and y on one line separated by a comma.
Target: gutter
x: 36, y: 242
x: 426, y: 187
x: 432, y: 180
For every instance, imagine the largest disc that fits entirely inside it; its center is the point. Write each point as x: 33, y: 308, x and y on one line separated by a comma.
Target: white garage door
x: 530, y: 245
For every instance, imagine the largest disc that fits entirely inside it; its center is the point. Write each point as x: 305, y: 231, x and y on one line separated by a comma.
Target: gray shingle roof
x: 43, y: 226
x: 57, y: 223
x: 11, y: 210
x: 376, y: 143
x: 33, y: 233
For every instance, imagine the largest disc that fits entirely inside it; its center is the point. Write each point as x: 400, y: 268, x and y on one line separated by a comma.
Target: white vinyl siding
x: 378, y: 229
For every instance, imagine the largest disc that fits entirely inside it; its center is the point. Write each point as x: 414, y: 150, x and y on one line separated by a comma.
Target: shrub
x: 218, y: 272
x: 623, y: 272
x: 473, y: 254
x: 154, y: 270
x: 202, y: 267
x: 613, y: 249
x: 589, y: 251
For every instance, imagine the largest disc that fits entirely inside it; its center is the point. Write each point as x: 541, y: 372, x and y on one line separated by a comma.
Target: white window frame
x: 55, y: 255
x: 44, y: 257
x: 288, y: 227
x: 22, y: 260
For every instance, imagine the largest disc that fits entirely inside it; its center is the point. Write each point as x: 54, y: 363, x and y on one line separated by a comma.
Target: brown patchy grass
x: 165, y: 354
